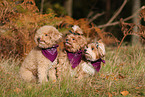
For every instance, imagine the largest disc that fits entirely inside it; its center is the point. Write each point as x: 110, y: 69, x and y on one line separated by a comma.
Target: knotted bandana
x: 74, y: 58
x: 97, y: 64
x: 50, y: 53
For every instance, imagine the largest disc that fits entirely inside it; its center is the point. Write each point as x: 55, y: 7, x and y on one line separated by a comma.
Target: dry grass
x: 123, y: 71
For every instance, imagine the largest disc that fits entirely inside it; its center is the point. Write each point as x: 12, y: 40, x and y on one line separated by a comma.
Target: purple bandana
x: 97, y: 64
x: 50, y: 53
x: 74, y: 58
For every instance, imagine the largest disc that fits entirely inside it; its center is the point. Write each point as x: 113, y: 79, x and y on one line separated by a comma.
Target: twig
x: 117, y: 13
x: 117, y: 22
x: 96, y: 16
x: 90, y: 14
x: 124, y: 37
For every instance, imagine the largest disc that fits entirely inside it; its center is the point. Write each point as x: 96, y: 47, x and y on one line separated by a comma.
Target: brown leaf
x: 121, y: 76
x: 109, y: 94
x: 17, y: 90
x: 137, y: 87
x: 124, y: 93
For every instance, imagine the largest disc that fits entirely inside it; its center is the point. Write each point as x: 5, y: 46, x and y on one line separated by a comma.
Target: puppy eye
x: 66, y: 39
x: 92, y: 48
x: 97, y: 46
x: 73, y: 39
x: 46, y: 35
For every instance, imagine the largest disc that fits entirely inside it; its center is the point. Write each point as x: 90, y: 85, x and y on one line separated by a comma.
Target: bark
x: 68, y: 5
x: 41, y: 9
x: 136, y: 20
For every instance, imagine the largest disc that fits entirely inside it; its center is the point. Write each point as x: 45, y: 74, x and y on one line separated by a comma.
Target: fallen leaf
x: 17, y: 90
x: 107, y: 76
x: 137, y: 87
x: 124, y: 93
x: 114, y: 93
x: 109, y: 94
x: 121, y: 64
x: 121, y: 76
x: 115, y: 79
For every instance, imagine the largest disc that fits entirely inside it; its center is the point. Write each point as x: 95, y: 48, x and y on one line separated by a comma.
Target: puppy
x: 74, y: 43
x: 42, y: 60
x: 94, y: 52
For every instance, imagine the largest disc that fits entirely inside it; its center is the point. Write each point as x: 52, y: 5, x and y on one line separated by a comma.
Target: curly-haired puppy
x: 74, y: 43
x: 42, y: 60
x: 94, y: 52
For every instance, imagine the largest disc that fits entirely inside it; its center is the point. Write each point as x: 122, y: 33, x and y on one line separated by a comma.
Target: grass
x: 124, y: 71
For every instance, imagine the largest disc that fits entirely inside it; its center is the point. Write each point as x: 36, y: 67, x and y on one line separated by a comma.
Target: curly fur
x: 93, y: 52
x: 36, y: 65
x: 73, y: 42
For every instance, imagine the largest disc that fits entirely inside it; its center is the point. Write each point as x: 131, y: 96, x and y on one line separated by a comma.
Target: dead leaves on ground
x: 124, y: 93
x: 17, y: 90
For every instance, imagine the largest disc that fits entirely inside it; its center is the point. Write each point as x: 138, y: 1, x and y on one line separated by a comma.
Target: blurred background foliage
x: 19, y: 20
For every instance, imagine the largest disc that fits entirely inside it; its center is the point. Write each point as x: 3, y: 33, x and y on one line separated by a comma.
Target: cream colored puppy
x: 74, y: 42
x: 94, y: 52
x: 42, y: 60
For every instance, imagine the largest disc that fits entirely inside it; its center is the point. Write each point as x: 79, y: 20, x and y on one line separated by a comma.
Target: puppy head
x: 77, y: 29
x: 47, y: 36
x: 94, y: 51
x: 73, y: 43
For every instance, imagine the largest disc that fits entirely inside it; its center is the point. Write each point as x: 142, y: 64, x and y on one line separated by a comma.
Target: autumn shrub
x: 90, y: 31
x: 19, y: 22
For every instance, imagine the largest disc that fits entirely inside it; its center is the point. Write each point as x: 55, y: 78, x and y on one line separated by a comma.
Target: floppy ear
x: 100, y: 41
x: 101, y: 48
x: 56, y: 34
x: 77, y: 29
x: 60, y: 35
x: 36, y: 36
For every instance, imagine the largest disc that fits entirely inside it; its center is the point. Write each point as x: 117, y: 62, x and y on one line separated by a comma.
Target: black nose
x: 38, y: 39
x: 85, y: 50
x: 66, y: 39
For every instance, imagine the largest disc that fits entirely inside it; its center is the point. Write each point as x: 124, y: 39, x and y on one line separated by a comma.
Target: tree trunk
x: 135, y: 7
x: 41, y: 9
x: 68, y: 6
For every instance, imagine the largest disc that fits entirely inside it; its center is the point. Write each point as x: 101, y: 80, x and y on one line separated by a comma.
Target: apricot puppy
x: 42, y: 60
x: 74, y: 43
x: 94, y: 54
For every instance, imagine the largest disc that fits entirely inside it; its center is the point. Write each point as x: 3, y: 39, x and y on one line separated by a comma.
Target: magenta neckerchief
x: 97, y: 64
x: 74, y: 58
x: 50, y: 53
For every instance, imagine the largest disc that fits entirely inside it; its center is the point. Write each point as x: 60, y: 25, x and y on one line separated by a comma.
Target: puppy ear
x: 56, y: 34
x: 77, y: 29
x: 100, y: 41
x: 60, y: 34
x: 101, y: 48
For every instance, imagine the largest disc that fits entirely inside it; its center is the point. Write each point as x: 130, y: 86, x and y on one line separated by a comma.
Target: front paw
x: 43, y: 80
